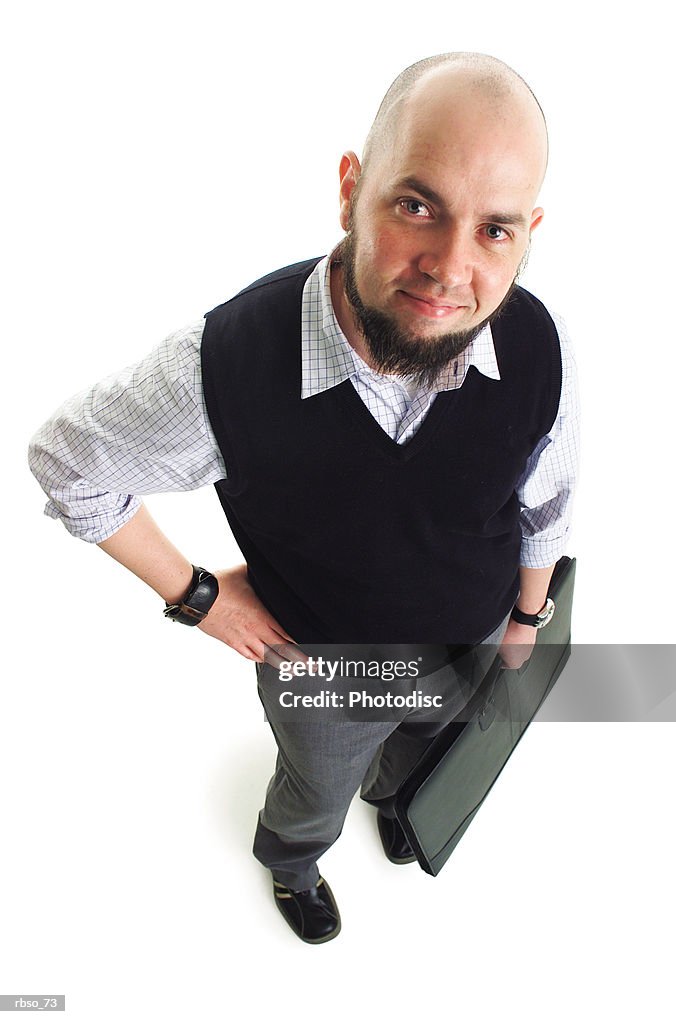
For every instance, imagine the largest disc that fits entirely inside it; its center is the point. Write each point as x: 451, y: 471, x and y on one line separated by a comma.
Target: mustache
x: 436, y: 293
x: 395, y: 350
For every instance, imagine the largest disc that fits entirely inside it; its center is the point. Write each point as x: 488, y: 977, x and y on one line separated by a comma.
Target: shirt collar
x: 328, y: 358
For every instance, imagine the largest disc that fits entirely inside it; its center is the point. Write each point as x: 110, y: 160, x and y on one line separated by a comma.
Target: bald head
x: 482, y: 87
x: 439, y: 213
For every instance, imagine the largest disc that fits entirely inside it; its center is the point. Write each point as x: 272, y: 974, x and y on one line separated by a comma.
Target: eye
x: 496, y: 233
x: 415, y: 207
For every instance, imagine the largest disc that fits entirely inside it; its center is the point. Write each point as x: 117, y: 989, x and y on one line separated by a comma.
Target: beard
x: 394, y: 350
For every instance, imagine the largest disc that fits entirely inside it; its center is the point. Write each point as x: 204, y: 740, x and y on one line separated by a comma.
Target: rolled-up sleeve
x: 141, y: 431
x: 547, y: 486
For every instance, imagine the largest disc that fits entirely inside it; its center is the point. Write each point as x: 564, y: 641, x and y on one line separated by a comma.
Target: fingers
x: 267, y: 646
x: 515, y: 655
x: 275, y: 655
x: 240, y: 620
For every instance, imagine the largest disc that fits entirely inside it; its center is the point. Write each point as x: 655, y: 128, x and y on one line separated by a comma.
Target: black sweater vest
x: 348, y: 536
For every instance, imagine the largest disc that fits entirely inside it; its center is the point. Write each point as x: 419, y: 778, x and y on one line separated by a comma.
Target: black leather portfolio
x: 438, y: 800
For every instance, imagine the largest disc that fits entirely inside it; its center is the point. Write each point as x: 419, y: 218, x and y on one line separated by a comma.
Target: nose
x: 447, y: 258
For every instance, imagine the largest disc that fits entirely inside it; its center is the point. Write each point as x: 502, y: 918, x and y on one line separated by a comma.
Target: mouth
x: 428, y: 306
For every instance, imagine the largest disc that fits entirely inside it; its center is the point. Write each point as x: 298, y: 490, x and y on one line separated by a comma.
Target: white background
x: 157, y: 158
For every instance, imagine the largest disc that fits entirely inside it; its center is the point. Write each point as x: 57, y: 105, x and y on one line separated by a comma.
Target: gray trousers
x: 324, y: 759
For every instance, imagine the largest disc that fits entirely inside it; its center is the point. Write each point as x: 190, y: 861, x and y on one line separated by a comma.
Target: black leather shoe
x: 312, y: 913
x: 395, y: 843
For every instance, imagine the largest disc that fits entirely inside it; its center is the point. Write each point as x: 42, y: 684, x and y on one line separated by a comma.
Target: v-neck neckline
x: 368, y: 424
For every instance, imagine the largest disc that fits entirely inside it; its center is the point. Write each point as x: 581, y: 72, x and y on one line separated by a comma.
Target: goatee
x: 397, y: 351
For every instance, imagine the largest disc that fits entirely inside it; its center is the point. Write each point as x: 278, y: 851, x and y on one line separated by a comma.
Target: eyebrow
x: 501, y: 217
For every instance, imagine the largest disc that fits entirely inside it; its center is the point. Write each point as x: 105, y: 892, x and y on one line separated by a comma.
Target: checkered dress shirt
x: 145, y: 430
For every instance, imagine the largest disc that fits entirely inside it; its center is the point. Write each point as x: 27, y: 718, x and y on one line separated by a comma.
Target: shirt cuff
x: 95, y: 526
x: 541, y: 552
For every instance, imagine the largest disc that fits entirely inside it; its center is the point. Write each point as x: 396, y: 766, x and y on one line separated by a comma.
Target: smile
x: 429, y: 307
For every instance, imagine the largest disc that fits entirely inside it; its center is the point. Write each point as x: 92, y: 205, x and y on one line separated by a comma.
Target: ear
x: 536, y: 217
x: 350, y: 170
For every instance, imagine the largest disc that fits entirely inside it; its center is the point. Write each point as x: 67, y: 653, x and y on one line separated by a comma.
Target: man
x: 394, y: 457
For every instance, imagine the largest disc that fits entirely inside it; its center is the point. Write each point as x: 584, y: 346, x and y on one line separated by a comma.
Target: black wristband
x: 197, y: 600
x: 539, y: 619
